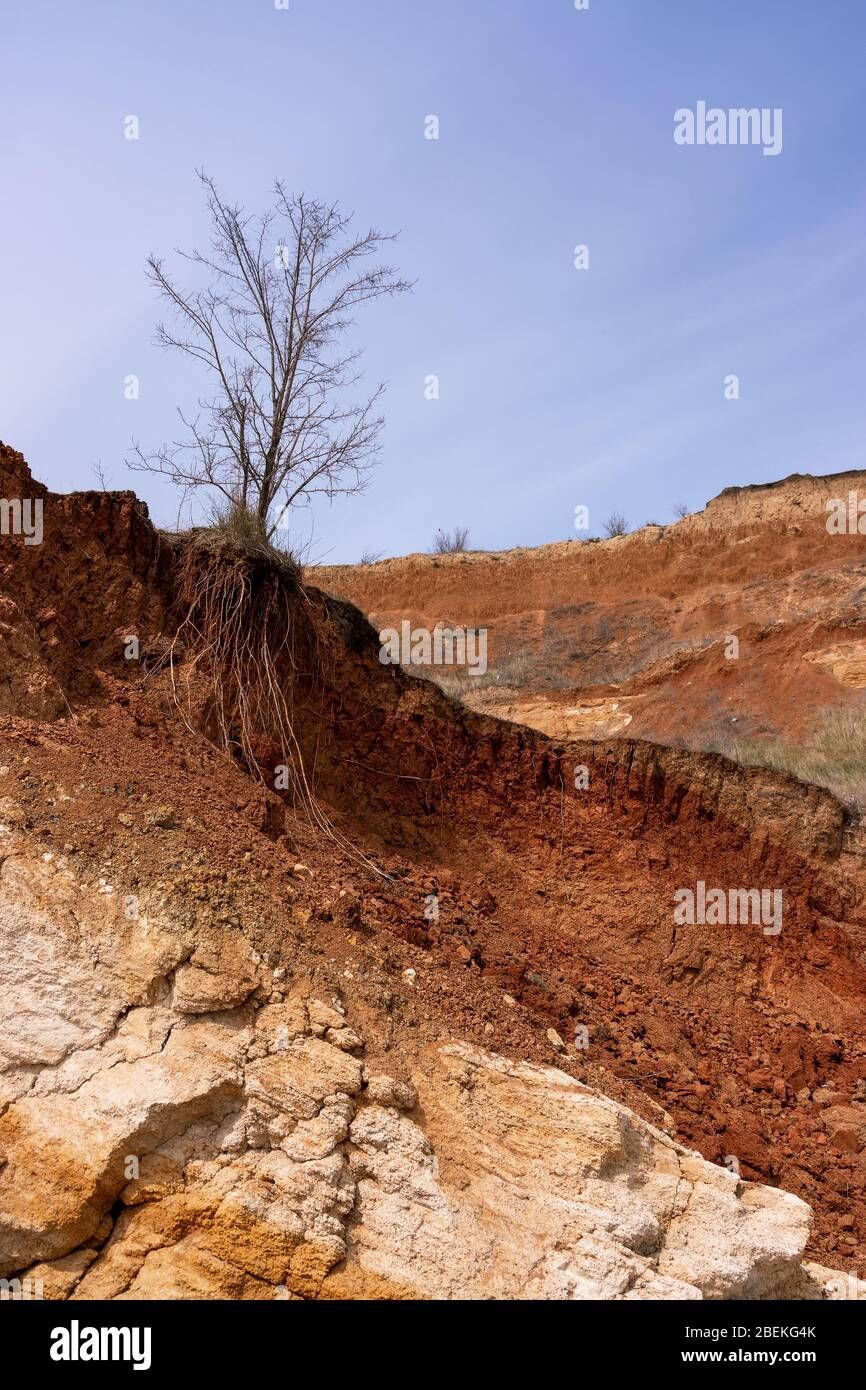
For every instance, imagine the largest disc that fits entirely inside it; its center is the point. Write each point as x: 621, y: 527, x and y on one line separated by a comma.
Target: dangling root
x: 245, y: 627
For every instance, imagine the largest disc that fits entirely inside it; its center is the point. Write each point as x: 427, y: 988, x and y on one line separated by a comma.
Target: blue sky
x: 558, y: 387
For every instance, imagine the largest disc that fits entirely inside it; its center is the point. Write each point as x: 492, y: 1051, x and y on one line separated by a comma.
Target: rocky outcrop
x: 522, y: 1183
x: 174, y: 1130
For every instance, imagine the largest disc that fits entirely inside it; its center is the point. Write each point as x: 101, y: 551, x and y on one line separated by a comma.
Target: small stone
x: 345, y: 1038
x: 409, y: 976
x: 848, y: 1140
x: 761, y: 1079
x: 323, y: 1016
x: 198, y: 991
x: 301, y: 870
x: 384, y: 1090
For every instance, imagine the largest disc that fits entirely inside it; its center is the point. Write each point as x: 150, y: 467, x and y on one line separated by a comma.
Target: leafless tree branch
x: 283, y: 288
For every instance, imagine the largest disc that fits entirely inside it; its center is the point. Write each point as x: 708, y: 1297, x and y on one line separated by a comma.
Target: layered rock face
x: 175, y: 1125
x: 591, y: 638
x: 189, y: 967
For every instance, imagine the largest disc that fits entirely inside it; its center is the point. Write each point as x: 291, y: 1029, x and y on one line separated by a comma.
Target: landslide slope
x: 588, y: 639
x: 286, y: 1033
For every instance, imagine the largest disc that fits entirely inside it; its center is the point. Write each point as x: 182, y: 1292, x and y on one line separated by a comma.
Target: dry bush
x: 616, y: 525
x: 451, y: 542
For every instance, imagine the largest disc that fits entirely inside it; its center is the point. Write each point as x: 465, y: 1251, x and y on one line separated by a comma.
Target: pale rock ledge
x: 167, y: 1130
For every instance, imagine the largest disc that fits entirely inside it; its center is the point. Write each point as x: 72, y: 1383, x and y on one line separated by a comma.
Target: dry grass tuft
x: 833, y: 756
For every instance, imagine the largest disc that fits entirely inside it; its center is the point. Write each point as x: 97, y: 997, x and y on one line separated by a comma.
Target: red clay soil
x: 556, y: 905
x: 642, y: 620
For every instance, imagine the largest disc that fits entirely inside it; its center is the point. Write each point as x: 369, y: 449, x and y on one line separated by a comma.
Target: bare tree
x: 616, y: 524
x: 451, y: 542
x: 680, y: 510
x: 101, y: 475
x: 269, y: 326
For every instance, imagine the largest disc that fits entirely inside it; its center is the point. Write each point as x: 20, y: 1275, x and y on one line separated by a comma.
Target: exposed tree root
x: 246, y: 627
